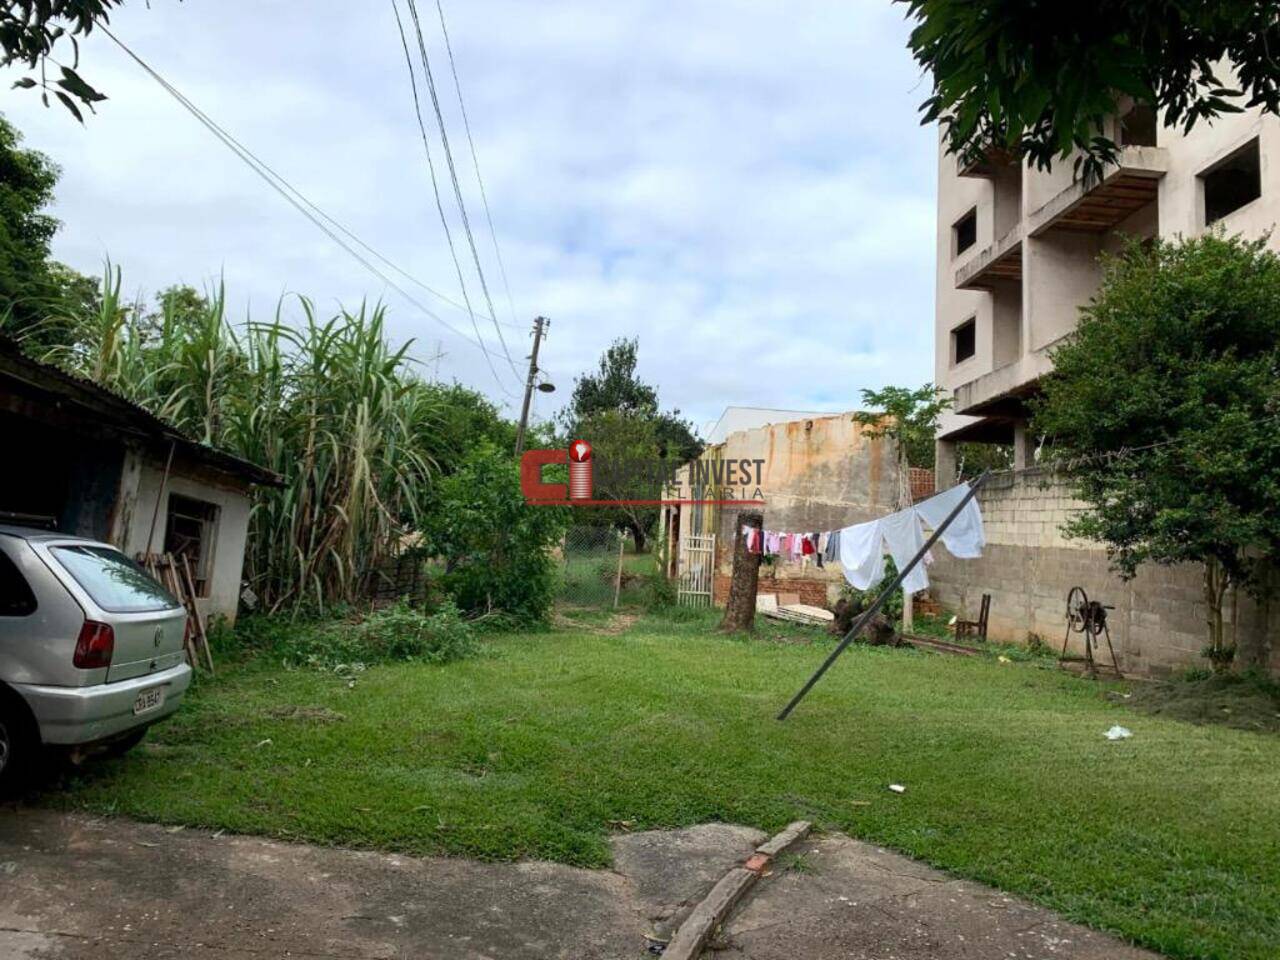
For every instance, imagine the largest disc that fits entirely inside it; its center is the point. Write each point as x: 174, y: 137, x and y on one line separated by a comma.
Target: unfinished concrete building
x: 1017, y: 257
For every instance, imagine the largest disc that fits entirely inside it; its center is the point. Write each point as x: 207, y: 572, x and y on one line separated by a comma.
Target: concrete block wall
x: 1028, y: 567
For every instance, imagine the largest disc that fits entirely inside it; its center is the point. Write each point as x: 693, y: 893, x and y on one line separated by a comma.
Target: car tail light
x: 94, y: 646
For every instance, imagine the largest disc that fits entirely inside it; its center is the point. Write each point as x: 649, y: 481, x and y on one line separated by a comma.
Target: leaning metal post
x: 885, y: 594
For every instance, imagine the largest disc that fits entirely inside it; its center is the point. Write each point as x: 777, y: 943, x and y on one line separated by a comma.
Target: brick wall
x: 1028, y: 568
x: 813, y: 592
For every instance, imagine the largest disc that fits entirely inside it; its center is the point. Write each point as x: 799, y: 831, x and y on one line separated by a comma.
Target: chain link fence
x: 598, y: 564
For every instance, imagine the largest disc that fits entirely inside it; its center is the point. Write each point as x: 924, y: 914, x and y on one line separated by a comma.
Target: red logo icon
x: 579, y: 470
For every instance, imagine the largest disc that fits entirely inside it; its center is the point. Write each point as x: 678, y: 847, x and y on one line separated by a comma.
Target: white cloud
x: 742, y: 184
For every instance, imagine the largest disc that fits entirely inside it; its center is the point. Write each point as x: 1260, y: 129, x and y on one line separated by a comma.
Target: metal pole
x: 538, y: 325
x: 880, y: 600
x: 617, y: 583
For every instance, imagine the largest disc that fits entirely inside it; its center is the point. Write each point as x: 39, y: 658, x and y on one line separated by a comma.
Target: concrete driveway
x: 75, y: 888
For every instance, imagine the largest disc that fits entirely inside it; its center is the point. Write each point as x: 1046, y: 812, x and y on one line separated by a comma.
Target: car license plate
x: 148, y: 700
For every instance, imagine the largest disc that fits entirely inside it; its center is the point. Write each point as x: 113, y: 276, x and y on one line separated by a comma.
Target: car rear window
x: 112, y: 580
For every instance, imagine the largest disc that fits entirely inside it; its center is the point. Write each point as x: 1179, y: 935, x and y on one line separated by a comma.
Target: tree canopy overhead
x: 1164, y: 406
x: 1039, y: 79
x: 29, y: 32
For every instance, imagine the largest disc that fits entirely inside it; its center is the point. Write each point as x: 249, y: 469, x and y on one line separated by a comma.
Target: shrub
x: 861, y: 599
x: 399, y: 633
x: 496, y: 548
x: 403, y: 632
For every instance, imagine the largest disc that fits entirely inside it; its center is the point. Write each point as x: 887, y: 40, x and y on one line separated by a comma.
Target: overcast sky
x: 744, y: 185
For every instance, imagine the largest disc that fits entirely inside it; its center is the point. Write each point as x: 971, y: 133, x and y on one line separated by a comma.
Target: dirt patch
x: 306, y: 714
x: 597, y: 622
x: 1241, y: 702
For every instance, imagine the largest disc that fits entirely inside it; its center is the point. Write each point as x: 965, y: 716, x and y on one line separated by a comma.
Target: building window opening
x: 1138, y: 127
x: 1232, y: 183
x: 964, y: 341
x: 966, y: 231
x: 189, y: 533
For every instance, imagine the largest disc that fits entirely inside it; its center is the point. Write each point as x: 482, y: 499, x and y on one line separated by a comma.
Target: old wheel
x: 17, y: 746
x: 1077, y: 610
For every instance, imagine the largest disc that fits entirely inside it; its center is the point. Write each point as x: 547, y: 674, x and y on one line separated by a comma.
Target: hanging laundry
x: 904, y: 538
x: 965, y: 538
x: 862, y: 554
x: 831, y: 551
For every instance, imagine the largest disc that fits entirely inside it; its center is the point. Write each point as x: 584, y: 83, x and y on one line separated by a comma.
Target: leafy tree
x: 625, y: 449
x: 615, y: 385
x: 619, y: 415
x: 497, y: 548
x: 464, y: 418
x: 910, y: 419
x: 29, y: 31
x: 973, y: 458
x: 1039, y: 79
x: 1170, y: 390
x: 32, y: 285
x: 27, y: 179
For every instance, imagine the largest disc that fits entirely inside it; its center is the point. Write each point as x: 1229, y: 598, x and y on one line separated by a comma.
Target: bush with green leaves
x: 1164, y: 410
x: 861, y: 599
x: 395, y: 634
x: 496, y: 548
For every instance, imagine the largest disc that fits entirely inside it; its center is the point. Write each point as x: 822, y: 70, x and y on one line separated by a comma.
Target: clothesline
x: 860, y: 548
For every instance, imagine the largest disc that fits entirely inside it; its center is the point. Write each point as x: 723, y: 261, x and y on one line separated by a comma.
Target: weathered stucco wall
x: 819, y: 474
x: 140, y: 485
x: 1028, y: 567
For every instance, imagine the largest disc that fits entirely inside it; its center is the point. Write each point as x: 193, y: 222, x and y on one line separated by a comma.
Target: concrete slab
x: 854, y: 901
x: 670, y: 871
x: 74, y: 888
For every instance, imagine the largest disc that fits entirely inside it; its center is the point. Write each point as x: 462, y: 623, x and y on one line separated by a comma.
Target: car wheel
x: 118, y: 748
x: 17, y: 747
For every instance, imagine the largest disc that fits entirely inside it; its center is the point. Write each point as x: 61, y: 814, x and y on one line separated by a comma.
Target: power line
x: 453, y: 172
x: 475, y: 160
x: 435, y: 186
x: 299, y: 201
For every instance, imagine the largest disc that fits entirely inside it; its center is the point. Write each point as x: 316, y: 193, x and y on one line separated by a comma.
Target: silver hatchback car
x: 91, y: 648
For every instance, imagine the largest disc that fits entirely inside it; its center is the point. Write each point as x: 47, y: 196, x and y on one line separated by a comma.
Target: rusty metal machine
x: 1088, y: 617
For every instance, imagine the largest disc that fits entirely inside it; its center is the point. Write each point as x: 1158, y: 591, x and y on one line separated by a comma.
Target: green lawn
x: 1171, y: 838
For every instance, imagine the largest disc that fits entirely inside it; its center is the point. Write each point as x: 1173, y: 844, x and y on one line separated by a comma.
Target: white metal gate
x: 697, y: 571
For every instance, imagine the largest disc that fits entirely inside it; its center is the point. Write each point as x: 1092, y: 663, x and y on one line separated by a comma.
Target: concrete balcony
x: 1097, y: 206
x: 999, y: 263
x: 1002, y: 392
x: 991, y: 163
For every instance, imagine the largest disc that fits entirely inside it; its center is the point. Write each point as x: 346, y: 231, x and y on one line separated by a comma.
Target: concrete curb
x: 697, y: 928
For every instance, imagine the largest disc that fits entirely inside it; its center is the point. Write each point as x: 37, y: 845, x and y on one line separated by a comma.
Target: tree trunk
x: 1215, y: 587
x: 740, y: 610
x: 637, y: 532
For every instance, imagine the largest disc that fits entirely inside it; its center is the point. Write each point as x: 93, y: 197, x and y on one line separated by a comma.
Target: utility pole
x: 540, y: 325
x: 439, y: 355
